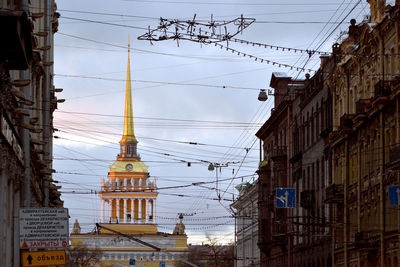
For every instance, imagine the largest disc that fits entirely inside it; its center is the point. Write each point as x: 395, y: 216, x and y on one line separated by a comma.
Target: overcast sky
x: 178, y: 97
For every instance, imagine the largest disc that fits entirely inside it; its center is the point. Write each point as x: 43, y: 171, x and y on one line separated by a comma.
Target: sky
x: 193, y: 104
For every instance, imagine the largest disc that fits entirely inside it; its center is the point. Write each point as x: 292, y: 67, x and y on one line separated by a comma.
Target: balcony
x: 264, y: 246
x: 382, y: 88
x: 334, y: 193
x: 394, y: 157
x: 271, y: 202
x: 279, y: 151
x: 346, y: 121
x: 307, y: 199
x: 366, y: 240
x: 114, y: 186
x: 279, y: 240
x: 297, y: 157
x: 325, y: 132
x: 362, y: 106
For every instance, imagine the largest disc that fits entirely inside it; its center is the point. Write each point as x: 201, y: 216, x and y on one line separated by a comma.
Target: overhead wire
x: 233, y: 4
x: 321, y: 43
x: 158, y: 82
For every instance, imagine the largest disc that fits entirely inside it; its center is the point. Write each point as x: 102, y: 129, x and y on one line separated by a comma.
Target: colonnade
x: 128, y: 216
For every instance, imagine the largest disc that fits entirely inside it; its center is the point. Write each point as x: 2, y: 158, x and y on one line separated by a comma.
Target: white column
x: 125, y: 202
x: 154, y: 210
x: 139, y: 208
x: 145, y: 210
x: 132, y: 213
x: 117, y: 199
x: 101, y: 210
x: 125, y: 182
x: 132, y: 181
x: 109, y: 209
x: 140, y: 183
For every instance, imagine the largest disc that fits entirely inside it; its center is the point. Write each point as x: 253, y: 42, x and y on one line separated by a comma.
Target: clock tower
x: 128, y: 196
x: 127, y: 231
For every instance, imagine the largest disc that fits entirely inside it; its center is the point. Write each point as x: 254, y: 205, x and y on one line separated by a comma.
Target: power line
x: 231, y: 4
x: 153, y: 118
x: 158, y: 82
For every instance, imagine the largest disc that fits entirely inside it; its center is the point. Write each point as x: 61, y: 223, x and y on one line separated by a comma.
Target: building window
x: 312, y: 125
x: 129, y: 149
x: 317, y: 175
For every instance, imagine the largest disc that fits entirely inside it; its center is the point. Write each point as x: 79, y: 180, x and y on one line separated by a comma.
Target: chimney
x: 377, y: 10
x: 324, y: 61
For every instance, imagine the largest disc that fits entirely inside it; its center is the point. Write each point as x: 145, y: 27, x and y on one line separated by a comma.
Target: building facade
x: 296, y: 154
x: 247, y: 253
x: 275, y: 240
x: 342, y: 154
x: 27, y: 102
x: 127, y: 233
x: 310, y: 168
x: 365, y: 141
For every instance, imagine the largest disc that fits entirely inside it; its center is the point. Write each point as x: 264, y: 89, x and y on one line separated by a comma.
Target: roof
x: 280, y: 75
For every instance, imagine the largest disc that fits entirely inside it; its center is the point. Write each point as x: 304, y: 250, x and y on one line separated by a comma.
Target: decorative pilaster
x: 139, y: 208
x: 132, y: 209
x: 117, y: 212
x: 125, y: 203
x: 109, y: 209
x: 154, y: 211
x: 101, y: 210
x: 145, y: 210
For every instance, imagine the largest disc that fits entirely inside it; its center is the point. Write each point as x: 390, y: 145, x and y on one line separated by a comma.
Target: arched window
x: 129, y: 150
x: 312, y: 118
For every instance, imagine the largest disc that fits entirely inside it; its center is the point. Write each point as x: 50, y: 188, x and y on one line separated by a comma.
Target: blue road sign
x: 285, y: 198
x: 132, y: 262
x: 394, y: 195
x: 162, y: 263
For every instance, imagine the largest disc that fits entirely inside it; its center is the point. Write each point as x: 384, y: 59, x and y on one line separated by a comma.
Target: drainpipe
x: 345, y: 191
x: 25, y: 75
x: 26, y: 189
x: 46, y: 116
x: 359, y: 179
x: 397, y: 141
x: 382, y: 162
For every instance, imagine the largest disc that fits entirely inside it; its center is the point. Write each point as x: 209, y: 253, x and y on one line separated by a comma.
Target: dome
x: 121, y: 166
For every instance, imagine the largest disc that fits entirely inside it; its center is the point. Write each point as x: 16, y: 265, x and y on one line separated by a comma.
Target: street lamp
x: 262, y: 96
x: 211, y: 167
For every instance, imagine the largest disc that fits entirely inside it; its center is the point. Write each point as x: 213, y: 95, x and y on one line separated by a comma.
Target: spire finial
x: 128, y: 134
x: 129, y: 45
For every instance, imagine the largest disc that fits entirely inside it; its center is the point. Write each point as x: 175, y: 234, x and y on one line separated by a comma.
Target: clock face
x: 129, y: 167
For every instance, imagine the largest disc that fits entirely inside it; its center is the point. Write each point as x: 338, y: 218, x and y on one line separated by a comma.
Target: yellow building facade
x: 365, y: 141
x: 127, y: 233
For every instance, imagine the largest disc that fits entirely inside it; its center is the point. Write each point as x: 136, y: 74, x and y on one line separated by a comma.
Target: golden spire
x: 128, y: 134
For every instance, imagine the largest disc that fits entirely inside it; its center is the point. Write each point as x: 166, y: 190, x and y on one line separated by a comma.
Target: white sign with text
x: 43, y: 227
